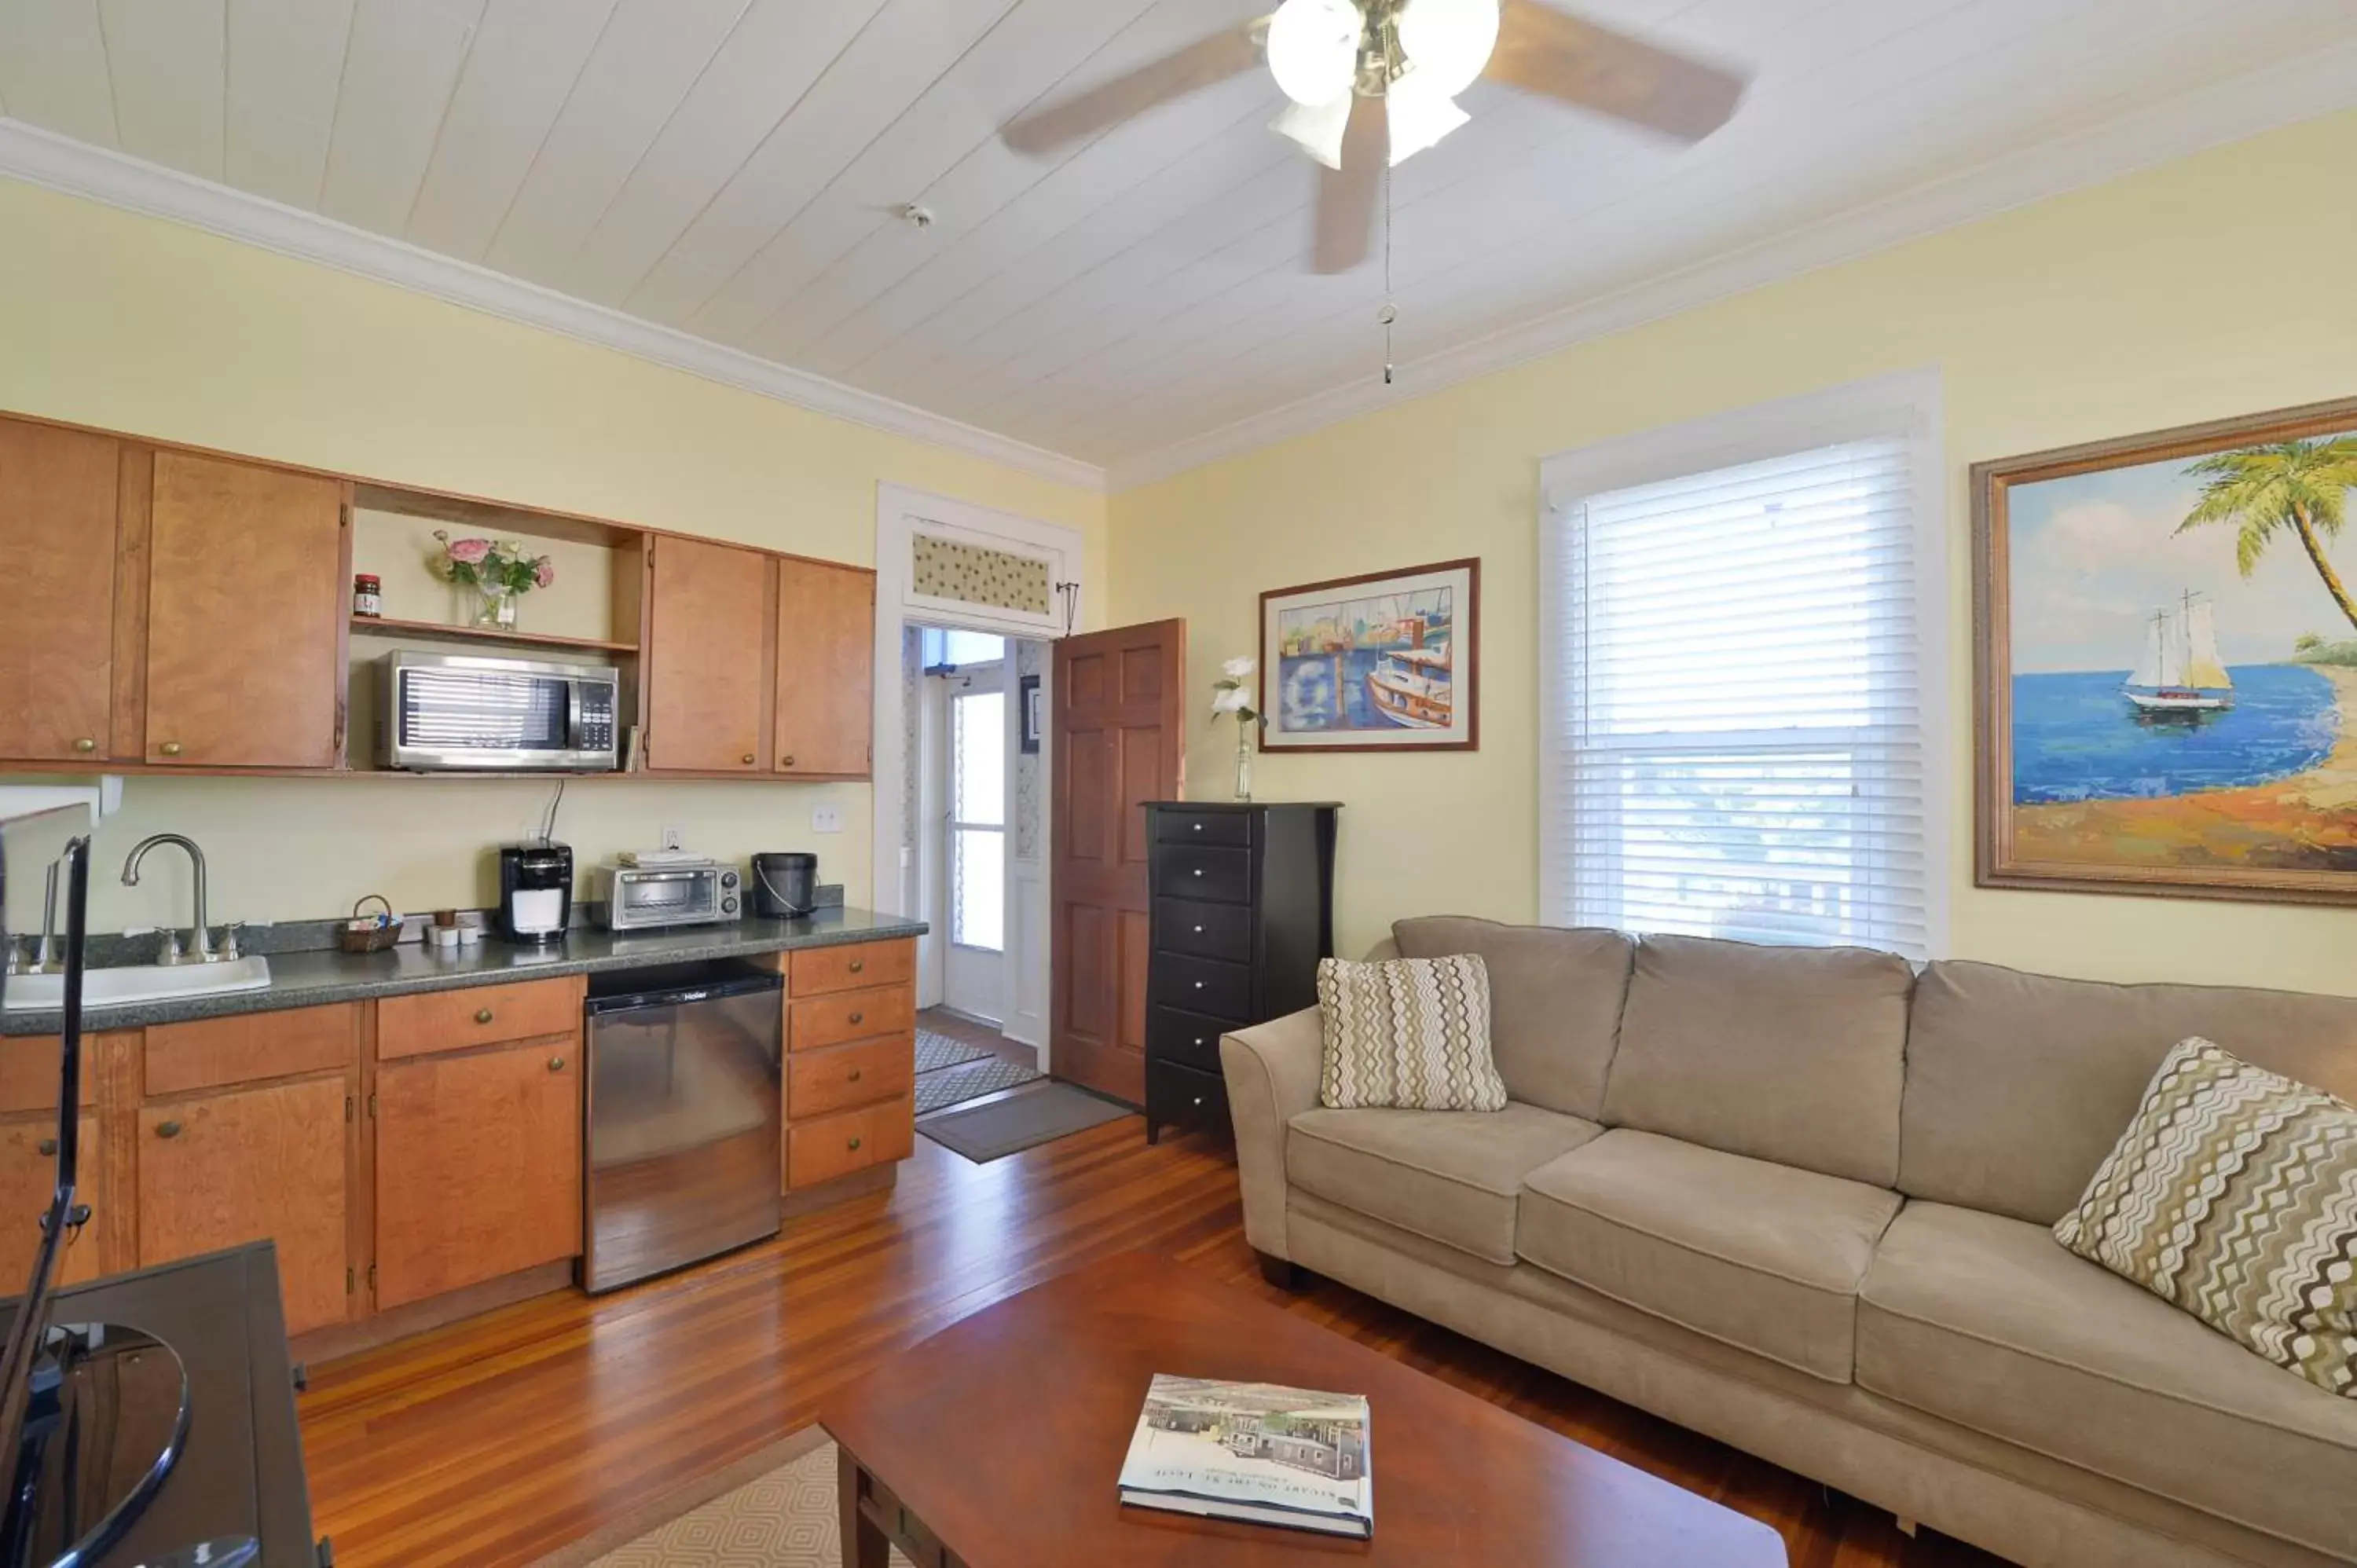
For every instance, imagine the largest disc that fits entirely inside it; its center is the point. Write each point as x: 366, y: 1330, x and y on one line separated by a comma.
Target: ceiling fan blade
x: 1346, y: 196
x: 1199, y: 64
x: 1541, y: 49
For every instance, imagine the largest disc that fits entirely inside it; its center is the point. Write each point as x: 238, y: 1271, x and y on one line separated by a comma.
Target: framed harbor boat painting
x: 1389, y: 662
x: 2166, y: 662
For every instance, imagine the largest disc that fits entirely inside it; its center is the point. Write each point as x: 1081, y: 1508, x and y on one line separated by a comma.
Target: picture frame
x: 1028, y: 697
x: 1382, y: 661
x: 2165, y: 663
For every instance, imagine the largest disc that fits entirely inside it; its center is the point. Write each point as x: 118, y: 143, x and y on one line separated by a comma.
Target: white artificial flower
x: 1228, y: 701
x: 1237, y: 669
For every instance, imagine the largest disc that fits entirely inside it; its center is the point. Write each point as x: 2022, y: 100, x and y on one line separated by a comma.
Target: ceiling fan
x: 1372, y: 82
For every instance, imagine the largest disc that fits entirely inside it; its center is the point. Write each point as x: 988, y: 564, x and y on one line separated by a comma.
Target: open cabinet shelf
x: 437, y: 631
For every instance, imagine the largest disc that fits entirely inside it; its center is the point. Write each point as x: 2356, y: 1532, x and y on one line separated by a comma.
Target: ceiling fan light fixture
x: 1419, y: 117
x: 1313, y: 49
x: 1315, y: 128
x: 1448, y: 41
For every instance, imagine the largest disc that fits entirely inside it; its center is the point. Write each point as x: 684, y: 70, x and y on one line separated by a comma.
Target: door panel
x: 826, y: 662
x: 1119, y: 740
x: 57, y: 598
x: 245, y: 616
x: 708, y: 611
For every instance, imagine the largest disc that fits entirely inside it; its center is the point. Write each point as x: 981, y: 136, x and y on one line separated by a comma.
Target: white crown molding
x: 76, y: 168
x: 2265, y: 100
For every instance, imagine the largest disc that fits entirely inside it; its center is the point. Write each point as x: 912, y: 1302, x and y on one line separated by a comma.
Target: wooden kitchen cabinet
x: 706, y: 675
x: 247, y: 573
x: 28, y: 1176
x: 267, y: 1163
x: 826, y: 662
x: 57, y: 530
x: 478, y: 1167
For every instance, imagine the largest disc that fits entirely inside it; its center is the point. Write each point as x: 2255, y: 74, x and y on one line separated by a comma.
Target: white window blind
x: 1735, y: 730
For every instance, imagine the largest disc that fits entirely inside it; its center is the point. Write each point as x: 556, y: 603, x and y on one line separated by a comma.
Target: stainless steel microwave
x: 458, y: 711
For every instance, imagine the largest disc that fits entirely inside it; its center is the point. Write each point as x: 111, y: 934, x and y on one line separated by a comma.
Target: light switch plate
x: 826, y: 819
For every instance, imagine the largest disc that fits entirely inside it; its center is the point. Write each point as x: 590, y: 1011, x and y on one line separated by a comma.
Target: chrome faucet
x: 171, y: 946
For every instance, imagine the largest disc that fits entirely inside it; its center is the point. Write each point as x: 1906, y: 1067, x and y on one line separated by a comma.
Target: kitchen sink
x: 135, y: 983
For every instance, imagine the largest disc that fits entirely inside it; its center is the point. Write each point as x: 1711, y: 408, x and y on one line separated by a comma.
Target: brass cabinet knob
x: 859, y: 1018
x: 47, y: 1146
x: 85, y: 743
x: 854, y: 1143
x: 482, y: 1014
x: 855, y: 1076
x: 167, y: 1129
x: 556, y: 1064
x: 784, y: 762
x: 748, y: 759
x: 857, y: 965
x: 170, y: 749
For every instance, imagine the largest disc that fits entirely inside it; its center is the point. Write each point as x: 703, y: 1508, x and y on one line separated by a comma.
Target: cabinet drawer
x: 1203, y: 985
x: 477, y: 1015
x: 815, y: 971
x: 819, y: 1083
x: 1207, y: 931
x: 1204, y: 827
x: 850, y: 1141
x: 815, y: 1022
x: 208, y: 1053
x: 1185, y: 1096
x: 1174, y: 1035
x: 28, y: 1079
x: 1187, y: 871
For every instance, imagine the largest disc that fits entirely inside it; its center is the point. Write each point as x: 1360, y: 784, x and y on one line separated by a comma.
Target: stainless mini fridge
x: 684, y: 1113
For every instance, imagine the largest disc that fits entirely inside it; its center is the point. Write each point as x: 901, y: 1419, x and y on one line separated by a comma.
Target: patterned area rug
x: 935, y: 1052
x: 956, y: 1085
x: 777, y: 1509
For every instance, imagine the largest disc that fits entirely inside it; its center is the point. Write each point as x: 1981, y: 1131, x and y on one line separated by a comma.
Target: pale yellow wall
x: 2219, y: 285
x: 134, y: 324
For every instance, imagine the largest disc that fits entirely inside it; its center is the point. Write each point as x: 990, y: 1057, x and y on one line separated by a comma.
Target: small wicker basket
x: 365, y: 933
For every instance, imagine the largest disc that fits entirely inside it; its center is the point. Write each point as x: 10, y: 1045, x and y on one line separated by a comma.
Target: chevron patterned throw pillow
x: 1408, y: 1032
x: 2233, y: 1195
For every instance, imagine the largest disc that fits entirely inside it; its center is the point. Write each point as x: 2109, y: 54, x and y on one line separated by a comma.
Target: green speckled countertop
x: 317, y: 978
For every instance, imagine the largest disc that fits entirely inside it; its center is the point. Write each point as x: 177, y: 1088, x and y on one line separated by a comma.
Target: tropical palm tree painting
x: 2178, y: 656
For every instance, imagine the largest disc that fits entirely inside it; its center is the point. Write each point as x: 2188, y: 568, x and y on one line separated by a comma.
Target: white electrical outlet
x: 826, y: 819
x: 673, y: 838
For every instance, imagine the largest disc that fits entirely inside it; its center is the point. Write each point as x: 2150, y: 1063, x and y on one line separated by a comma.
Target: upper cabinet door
x: 707, y: 615
x: 58, y: 518
x: 245, y: 616
x: 826, y: 662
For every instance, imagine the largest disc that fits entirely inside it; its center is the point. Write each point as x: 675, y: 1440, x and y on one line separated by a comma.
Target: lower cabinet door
x: 28, y: 1176
x: 478, y: 1167
x: 251, y: 1164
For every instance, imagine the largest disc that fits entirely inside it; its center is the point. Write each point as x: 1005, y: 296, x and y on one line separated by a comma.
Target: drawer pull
x: 857, y: 965
x: 482, y: 1014
x: 859, y: 1018
x: 1199, y: 930
x: 1198, y: 985
x: 85, y: 743
x: 789, y: 762
x: 1199, y: 1100
x: 167, y: 1129
x: 170, y: 749
x: 47, y: 1146
x: 748, y: 759
x: 855, y: 1075
x: 556, y: 1064
x: 1199, y: 828
x: 854, y: 1145
x: 1198, y: 1039
x: 1199, y: 871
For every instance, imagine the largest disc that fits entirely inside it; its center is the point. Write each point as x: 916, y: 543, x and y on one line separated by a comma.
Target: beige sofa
x: 1799, y: 1200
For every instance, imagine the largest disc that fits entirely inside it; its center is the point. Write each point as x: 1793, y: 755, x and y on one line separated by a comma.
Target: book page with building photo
x: 1260, y: 1452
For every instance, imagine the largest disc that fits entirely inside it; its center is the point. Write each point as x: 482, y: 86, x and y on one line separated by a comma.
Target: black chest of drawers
x: 1243, y: 908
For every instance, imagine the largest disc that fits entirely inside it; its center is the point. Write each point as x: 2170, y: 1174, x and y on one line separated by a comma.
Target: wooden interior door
x: 56, y: 593
x: 709, y: 627
x: 826, y: 665
x: 248, y: 1166
x: 246, y: 616
x: 1120, y: 740
x: 478, y: 1167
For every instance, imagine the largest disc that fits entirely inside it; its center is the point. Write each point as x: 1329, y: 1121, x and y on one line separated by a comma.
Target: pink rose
x: 543, y: 572
x: 470, y: 551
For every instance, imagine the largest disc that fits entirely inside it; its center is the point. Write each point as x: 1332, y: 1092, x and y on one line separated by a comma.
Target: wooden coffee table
x: 998, y: 1442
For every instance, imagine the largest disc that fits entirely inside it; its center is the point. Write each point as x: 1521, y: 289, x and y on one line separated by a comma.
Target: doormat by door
x: 936, y: 1051
x: 956, y: 1085
x: 1019, y: 1122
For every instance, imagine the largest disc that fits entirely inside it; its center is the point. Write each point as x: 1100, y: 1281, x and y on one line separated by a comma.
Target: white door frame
x: 900, y: 512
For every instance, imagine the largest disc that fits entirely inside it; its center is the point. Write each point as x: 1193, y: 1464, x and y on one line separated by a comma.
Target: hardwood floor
x: 497, y: 1440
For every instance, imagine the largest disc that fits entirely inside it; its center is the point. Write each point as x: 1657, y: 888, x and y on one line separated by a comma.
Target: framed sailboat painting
x: 1389, y: 662
x: 2166, y: 662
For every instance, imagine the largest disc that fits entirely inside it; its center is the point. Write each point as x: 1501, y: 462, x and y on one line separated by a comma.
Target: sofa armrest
x: 1272, y: 1070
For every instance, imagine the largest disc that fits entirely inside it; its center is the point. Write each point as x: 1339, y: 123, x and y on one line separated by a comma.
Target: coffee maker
x: 536, y: 891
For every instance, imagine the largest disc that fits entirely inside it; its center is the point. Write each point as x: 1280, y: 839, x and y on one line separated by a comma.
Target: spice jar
x: 367, y: 595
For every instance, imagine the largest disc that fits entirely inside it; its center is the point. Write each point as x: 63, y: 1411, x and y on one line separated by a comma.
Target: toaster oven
x: 642, y: 898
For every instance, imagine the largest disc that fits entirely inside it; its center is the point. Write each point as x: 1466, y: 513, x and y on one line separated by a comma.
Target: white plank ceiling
x: 732, y: 168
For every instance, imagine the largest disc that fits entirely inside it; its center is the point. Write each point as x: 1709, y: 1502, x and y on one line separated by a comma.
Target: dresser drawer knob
x: 1199, y: 1100
x: 1198, y: 985
x: 857, y: 965
x: 1199, y: 871
x: 482, y: 1014
x: 859, y: 1018
x: 854, y: 1145
x: 1198, y: 1039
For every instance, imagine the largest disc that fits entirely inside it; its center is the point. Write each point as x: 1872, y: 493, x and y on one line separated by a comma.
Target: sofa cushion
x: 1786, y: 1053
x: 1990, y: 1323
x: 1762, y: 1256
x: 1407, y: 1032
x: 1555, y: 1001
x: 1449, y: 1175
x: 2017, y: 1084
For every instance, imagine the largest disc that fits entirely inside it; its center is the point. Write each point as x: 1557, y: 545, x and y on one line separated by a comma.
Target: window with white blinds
x: 1736, y: 735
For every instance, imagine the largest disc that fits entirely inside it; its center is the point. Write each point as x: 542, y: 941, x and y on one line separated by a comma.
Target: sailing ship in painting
x: 2180, y: 678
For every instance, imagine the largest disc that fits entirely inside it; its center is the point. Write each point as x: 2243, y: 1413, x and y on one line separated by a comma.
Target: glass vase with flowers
x: 490, y: 577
